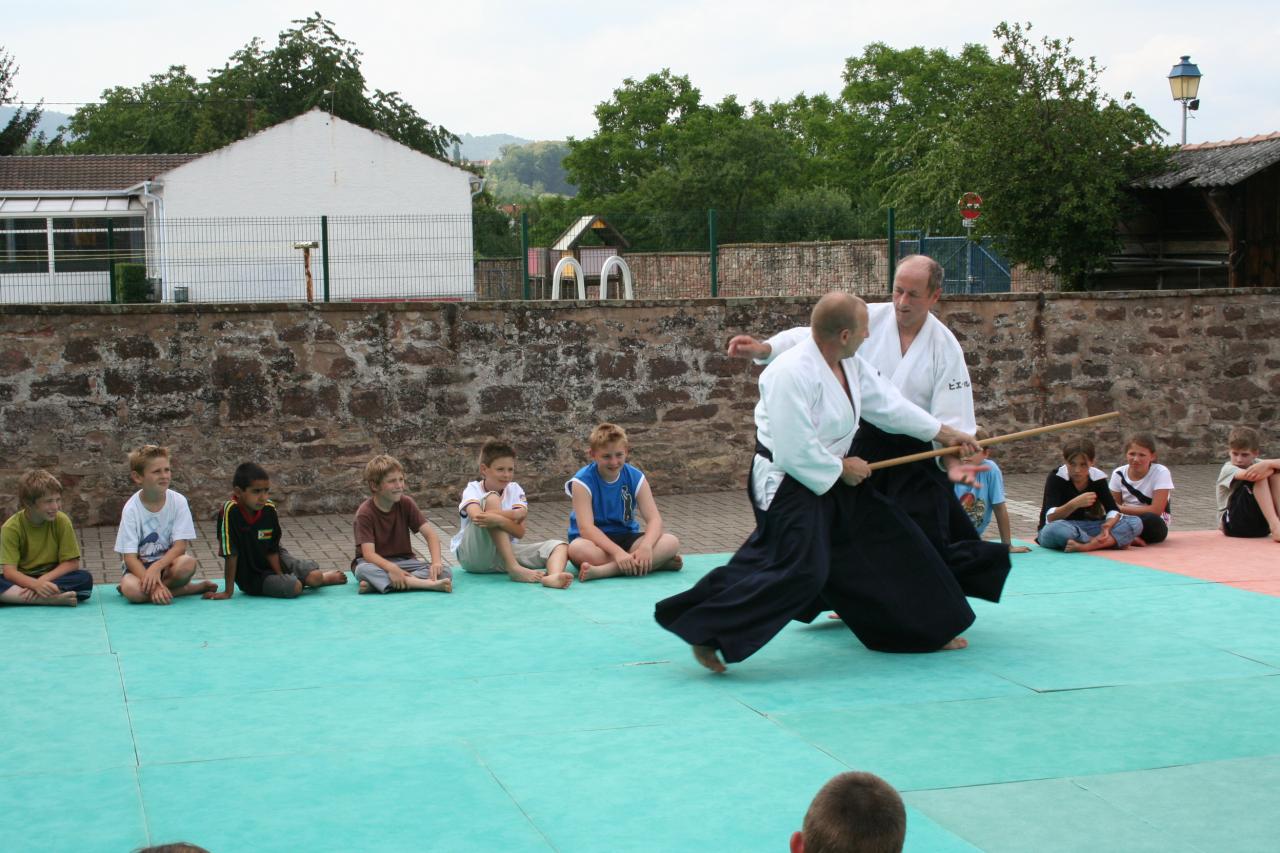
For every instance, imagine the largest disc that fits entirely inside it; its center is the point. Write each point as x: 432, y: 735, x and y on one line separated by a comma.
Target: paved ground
x: 707, y: 523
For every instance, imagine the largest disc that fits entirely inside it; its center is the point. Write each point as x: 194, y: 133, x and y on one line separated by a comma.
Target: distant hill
x: 48, y: 122
x: 489, y: 146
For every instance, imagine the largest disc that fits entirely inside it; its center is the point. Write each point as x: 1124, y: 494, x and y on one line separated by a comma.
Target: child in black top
x: 1078, y: 512
x: 249, y: 544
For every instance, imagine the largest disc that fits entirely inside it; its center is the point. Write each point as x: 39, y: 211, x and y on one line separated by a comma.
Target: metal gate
x: 969, y: 266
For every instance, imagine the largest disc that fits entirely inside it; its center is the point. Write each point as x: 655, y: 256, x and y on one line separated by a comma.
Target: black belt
x: 761, y: 450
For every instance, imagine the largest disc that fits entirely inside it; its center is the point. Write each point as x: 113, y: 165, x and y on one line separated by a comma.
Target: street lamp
x: 1184, y: 82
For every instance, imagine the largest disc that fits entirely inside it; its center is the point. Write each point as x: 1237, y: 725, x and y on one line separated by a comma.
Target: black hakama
x: 922, y: 490
x: 850, y: 549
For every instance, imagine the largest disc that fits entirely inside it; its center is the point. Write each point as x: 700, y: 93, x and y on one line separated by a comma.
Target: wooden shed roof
x: 1218, y: 164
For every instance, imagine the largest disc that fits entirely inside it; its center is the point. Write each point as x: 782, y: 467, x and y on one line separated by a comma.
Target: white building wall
x: 217, y: 245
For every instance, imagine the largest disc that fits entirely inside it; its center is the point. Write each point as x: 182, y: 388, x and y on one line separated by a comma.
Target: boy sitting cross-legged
x: 1249, y: 488
x: 493, y: 511
x: 38, y: 548
x: 249, y: 544
x: 384, y: 560
x: 155, y: 527
x: 604, y: 536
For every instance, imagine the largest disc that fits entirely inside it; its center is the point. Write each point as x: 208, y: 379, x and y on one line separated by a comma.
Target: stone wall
x: 313, y: 391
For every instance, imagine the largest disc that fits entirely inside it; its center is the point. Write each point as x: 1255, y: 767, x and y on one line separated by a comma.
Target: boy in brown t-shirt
x: 384, y: 523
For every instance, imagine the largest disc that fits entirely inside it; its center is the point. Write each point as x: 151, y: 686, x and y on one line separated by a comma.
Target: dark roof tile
x: 85, y: 171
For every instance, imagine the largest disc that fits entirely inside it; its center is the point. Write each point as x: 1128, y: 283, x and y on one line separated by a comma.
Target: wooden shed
x: 1212, y: 219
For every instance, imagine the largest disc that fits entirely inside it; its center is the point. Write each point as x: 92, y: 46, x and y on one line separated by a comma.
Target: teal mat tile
x: 380, y: 716
x: 45, y: 632
x: 1105, y: 730
x: 64, y: 714
x: 74, y: 813
x: 677, y: 787
x: 409, y: 798
x: 1045, y: 572
x: 1220, y: 805
x: 1050, y: 816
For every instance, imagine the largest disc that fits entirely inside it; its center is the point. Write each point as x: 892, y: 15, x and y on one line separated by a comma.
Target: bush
x: 132, y: 284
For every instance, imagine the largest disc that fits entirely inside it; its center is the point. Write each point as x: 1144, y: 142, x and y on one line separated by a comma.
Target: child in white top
x: 1143, y: 488
x: 493, y: 511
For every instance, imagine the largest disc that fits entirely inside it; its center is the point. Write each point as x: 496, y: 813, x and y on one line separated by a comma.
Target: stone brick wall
x: 313, y: 391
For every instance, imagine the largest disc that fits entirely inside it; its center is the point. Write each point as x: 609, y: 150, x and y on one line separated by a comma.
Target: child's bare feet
x: 957, y: 643
x: 833, y: 615
x: 202, y: 587
x: 560, y: 580
x: 442, y: 585
x: 334, y: 578
x: 62, y: 599
x: 365, y: 588
x: 1138, y: 542
x: 584, y: 572
x: 676, y: 563
x: 709, y: 658
x: 1275, y: 534
x: 522, y: 575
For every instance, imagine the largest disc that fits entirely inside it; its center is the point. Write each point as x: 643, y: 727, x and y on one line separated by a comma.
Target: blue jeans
x: 1056, y: 534
x: 80, y: 582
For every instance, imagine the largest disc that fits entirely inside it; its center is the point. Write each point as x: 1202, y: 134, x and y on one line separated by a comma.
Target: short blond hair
x: 142, y: 457
x: 378, y: 468
x: 607, y: 434
x: 34, y: 484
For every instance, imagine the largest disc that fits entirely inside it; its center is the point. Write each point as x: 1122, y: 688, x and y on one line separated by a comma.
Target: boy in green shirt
x: 38, y: 548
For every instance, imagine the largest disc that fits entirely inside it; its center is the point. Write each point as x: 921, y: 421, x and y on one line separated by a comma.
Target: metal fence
x: 680, y: 254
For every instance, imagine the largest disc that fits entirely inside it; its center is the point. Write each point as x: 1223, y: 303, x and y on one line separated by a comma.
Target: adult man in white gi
x: 819, y: 535
x: 922, y: 358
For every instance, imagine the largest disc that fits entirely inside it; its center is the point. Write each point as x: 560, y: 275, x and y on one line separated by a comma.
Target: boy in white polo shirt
x: 493, y: 511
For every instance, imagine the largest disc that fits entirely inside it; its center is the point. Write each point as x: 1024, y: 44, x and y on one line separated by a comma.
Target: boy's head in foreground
x: 1243, y: 444
x: 1140, y: 452
x: 497, y: 465
x: 609, y: 448
x: 853, y: 813
x: 1079, y: 454
x: 385, y: 478
x: 39, y: 495
x: 150, y: 470
x: 251, y: 486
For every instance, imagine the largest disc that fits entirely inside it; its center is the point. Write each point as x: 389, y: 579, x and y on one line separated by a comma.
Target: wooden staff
x: 997, y: 439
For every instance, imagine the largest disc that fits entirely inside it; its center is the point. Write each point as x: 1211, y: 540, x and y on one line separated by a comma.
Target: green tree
x: 17, y: 131
x: 309, y: 66
x: 1053, y: 156
x: 525, y: 171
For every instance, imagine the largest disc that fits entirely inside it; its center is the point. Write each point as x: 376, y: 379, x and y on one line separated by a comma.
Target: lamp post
x: 1184, y: 82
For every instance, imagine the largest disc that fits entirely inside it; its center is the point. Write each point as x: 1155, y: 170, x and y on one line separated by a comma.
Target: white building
x: 390, y: 222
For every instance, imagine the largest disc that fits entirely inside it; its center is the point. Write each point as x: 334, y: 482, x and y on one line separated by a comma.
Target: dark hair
x: 175, y: 847
x: 247, y: 473
x: 855, y: 813
x: 1079, y: 447
x: 493, y: 450
x: 1142, y: 439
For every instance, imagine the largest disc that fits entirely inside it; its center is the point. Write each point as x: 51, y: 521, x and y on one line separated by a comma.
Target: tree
x: 309, y: 66
x: 526, y: 171
x: 16, y: 132
x: 1053, y: 156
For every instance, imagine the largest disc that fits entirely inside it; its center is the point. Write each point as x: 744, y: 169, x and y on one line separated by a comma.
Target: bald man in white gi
x: 820, y: 535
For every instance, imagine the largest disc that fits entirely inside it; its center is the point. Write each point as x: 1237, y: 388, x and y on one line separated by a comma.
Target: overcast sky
x: 537, y: 69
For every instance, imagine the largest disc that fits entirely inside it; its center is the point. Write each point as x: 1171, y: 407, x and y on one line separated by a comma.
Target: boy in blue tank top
x: 609, y: 496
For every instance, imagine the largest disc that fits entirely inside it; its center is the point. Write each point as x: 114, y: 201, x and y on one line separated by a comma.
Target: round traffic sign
x: 970, y: 205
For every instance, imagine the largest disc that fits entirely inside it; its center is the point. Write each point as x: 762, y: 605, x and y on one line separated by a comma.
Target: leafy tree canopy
x: 309, y: 66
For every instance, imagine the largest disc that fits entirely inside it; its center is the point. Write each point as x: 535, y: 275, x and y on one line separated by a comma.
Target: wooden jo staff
x: 996, y: 439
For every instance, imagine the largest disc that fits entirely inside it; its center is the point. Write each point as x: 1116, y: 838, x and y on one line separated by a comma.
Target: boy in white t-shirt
x: 155, y: 527
x: 493, y: 511
x: 1143, y: 488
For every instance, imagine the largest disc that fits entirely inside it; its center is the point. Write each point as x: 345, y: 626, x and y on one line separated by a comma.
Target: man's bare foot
x: 560, y: 580
x: 709, y: 658
x: 335, y: 578
x: 957, y: 643
x: 522, y: 575
x: 365, y: 588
